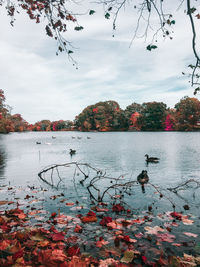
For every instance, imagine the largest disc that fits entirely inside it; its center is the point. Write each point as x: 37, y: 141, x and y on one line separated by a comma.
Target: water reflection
x: 2, y: 158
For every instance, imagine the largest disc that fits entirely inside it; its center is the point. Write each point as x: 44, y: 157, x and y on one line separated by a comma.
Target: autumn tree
x: 131, y: 113
x: 154, y: 19
x: 153, y: 116
x: 6, y: 124
x: 20, y: 125
x: 103, y: 116
x: 187, y: 113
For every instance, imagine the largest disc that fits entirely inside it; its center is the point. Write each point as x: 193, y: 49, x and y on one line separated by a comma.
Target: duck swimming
x: 151, y: 159
x: 143, y: 178
x: 72, y: 151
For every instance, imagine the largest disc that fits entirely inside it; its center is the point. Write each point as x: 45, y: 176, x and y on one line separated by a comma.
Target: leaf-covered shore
x: 41, y: 229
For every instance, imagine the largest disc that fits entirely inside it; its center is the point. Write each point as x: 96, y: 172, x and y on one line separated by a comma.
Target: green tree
x: 153, y: 116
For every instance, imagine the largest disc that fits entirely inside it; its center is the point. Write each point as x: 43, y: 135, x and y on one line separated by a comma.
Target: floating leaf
x: 128, y: 256
x: 190, y: 234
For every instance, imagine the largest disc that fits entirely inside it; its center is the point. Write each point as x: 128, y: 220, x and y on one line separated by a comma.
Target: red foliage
x: 91, y: 217
x: 105, y: 220
x: 176, y: 215
x: 73, y: 251
x: 78, y: 229
x: 95, y: 110
x: 118, y: 208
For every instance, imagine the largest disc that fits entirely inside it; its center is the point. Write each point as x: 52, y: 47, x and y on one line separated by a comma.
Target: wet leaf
x: 190, y: 234
x: 128, y: 256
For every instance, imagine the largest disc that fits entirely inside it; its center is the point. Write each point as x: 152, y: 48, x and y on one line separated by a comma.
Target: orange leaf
x: 88, y: 219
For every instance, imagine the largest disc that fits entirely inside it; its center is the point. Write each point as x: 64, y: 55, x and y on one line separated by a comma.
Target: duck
x: 72, y: 151
x: 151, y: 159
x: 143, y: 179
x: 53, y: 137
x: 38, y: 143
x: 88, y: 137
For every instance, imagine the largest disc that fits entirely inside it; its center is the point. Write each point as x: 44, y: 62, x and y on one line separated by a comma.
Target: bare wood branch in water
x: 119, y: 186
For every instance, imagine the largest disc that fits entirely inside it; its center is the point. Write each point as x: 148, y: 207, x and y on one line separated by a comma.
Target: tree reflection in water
x: 2, y: 160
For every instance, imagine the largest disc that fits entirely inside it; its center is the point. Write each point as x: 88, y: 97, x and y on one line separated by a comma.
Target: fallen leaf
x: 128, y: 256
x: 190, y: 234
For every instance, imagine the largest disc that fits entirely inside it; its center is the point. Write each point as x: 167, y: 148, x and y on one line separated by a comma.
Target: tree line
x: 108, y: 116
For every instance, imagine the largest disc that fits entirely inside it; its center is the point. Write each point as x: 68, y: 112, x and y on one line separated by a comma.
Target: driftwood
x: 114, y: 188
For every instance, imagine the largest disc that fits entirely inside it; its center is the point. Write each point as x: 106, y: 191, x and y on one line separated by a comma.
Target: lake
x: 117, y: 153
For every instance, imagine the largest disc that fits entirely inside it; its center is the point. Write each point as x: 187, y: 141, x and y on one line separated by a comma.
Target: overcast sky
x: 40, y: 85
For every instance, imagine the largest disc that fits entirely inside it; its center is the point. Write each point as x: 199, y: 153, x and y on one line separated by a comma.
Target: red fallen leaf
x: 2, y: 221
x: 72, y: 239
x: 73, y: 251
x: 91, y: 213
x: 144, y: 259
x: 101, y: 243
x: 117, y: 208
x: 126, y: 238
x: 44, y: 243
x: 53, y: 229
x: 176, y: 244
x: 100, y: 209
x: 88, y: 219
x: 18, y: 213
x: 4, y: 244
x: 138, y: 220
x: 176, y: 215
x: 58, y: 255
x: 22, y: 236
x: 69, y: 204
x: 53, y: 214
x: 18, y: 254
x: 58, y: 237
x: 5, y: 228
x: 166, y: 237
x: 49, y: 257
x: 78, y: 229
x: 105, y: 220
x: 139, y: 235
x: 190, y: 234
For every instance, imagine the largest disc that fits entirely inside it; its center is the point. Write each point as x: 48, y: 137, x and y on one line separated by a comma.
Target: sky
x: 40, y: 85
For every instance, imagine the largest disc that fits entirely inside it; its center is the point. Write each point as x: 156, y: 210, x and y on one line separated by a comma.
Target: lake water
x: 119, y: 153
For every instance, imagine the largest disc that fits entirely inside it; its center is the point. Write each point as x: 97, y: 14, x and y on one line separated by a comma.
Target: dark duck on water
x: 143, y: 179
x: 151, y: 159
x: 72, y: 151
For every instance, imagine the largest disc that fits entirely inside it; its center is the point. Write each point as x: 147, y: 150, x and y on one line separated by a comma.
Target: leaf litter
x: 35, y: 234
